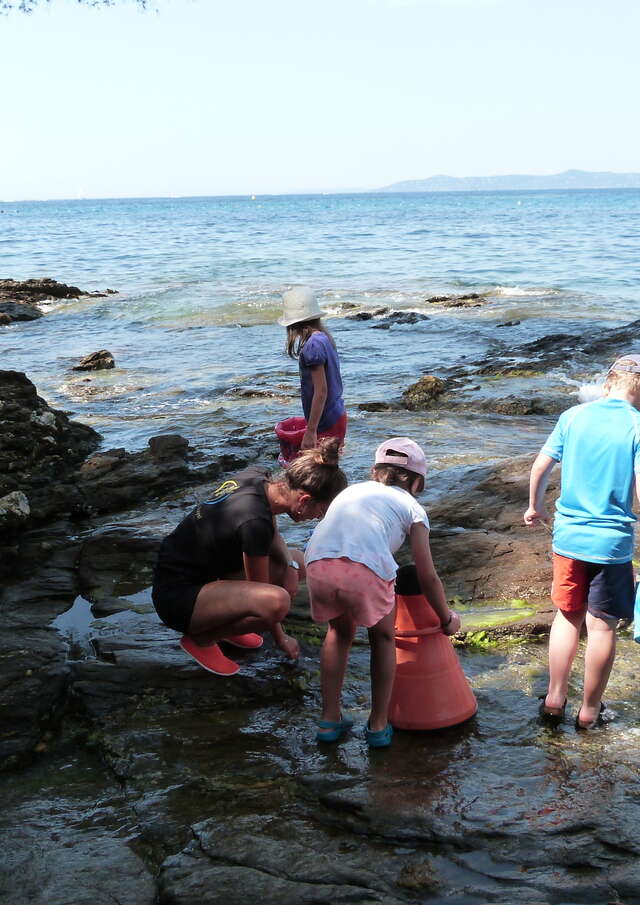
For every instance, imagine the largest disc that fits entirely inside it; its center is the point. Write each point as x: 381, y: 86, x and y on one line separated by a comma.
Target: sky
x: 206, y: 97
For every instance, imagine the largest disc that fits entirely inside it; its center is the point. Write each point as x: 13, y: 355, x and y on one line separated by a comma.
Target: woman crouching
x: 225, y: 573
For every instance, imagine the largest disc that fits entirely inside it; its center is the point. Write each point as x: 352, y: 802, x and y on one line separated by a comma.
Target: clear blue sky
x: 211, y: 97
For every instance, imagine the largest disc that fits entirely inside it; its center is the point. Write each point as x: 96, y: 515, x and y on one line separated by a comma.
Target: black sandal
x: 550, y: 716
x: 594, y: 724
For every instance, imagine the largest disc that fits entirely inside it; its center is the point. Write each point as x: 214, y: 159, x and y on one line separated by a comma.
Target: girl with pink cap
x: 351, y: 573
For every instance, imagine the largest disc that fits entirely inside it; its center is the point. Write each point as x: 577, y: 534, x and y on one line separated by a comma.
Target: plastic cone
x: 430, y: 690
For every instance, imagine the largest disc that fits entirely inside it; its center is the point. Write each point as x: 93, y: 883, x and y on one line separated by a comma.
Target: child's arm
x: 319, y: 378
x: 429, y: 581
x: 538, y: 481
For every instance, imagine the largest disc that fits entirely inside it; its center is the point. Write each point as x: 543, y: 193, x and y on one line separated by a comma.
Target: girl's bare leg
x: 383, y: 669
x: 333, y: 665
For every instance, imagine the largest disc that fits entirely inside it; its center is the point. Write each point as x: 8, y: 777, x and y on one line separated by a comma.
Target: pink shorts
x: 341, y: 587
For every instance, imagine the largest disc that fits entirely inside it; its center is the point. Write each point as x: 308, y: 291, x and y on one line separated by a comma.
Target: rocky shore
x: 134, y: 776
x: 19, y: 300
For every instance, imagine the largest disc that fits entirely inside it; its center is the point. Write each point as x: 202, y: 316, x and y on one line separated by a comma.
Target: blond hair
x: 625, y: 381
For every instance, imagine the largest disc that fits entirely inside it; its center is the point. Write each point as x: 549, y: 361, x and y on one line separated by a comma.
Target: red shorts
x: 604, y: 589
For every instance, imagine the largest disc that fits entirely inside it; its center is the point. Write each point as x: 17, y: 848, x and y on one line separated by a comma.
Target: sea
x: 193, y: 326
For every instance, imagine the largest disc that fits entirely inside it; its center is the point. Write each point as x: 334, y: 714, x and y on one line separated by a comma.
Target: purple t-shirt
x: 319, y: 350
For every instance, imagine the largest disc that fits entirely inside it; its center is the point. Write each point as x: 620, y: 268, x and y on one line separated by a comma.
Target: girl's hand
x: 453, y: 626
x: 290, y: 647
x: 310, y: 439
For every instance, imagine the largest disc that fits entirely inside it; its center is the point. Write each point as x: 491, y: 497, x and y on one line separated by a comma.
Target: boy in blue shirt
x: 598, y: 444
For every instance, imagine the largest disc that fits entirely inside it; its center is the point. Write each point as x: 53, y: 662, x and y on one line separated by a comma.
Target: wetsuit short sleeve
x: 256, y: 536
x: 314, y: 351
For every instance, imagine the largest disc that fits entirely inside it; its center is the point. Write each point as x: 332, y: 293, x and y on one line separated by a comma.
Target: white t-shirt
x: 367, y: 523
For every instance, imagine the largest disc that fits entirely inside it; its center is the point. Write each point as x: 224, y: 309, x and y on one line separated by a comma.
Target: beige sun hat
x: 299, y: 304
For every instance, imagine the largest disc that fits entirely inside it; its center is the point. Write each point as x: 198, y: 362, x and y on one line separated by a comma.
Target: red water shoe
x: 210, y: 658
x: 250, y: 641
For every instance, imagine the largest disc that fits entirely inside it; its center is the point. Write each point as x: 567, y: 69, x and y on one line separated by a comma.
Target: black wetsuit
x: 209, y: 544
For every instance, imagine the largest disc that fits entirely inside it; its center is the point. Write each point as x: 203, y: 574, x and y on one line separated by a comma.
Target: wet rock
x: 421, y: 394
x: 168, y: 446
x: 471, y: 300
x: 508, y: 324
x: 96, y: 361
x: 376, y: 406
x: 399, y: 318
x: 564, y: 350
x: 39, y: 448
x: 367, y: 315
x: 18, y: 299
x: 496, y: 556
x: 14, y: 509
x: 18, y: 311
x: 536, y: 405
x: 5, y: 319
x: 254, y: 857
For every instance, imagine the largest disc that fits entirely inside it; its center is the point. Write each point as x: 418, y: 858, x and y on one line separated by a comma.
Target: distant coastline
x: 569, y: 179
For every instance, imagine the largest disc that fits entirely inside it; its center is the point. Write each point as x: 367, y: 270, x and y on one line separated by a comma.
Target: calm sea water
x: 193, y: 327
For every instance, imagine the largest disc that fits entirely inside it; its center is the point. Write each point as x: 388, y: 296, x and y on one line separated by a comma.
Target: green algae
x: 515, y: 372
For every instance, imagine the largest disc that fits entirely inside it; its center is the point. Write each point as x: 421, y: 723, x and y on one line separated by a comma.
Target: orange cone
x: 430, y: 690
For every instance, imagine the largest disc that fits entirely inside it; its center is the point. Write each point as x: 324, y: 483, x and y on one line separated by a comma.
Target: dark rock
x: 513, y: 405
x: 39, y: 449
x: 18, y: 311
x: 421, y: 394
x: 168, y: 446
x: 376, y: 406
x: 399, y: 318
x: 508, y: 324
x: 18, y: 299
x: 38, y: 290
x: 471, y: 300
x: 96, y: 361
x: 367, y: 315
x: 5, y: 319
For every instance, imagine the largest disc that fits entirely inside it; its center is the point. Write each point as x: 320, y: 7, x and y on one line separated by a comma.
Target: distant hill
x: 570, y: 179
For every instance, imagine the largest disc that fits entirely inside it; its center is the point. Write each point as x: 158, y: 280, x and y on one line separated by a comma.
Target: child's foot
x: 552, y: 716
x: 332, y: 730
x: 210, y: 658
x: 381, y: 738
x: 583, y: 724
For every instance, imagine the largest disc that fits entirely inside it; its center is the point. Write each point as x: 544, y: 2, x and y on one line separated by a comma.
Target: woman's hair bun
x: 329, y: 451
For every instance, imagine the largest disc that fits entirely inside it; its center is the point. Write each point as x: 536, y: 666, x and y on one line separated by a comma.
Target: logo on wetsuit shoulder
x: 221, y: 493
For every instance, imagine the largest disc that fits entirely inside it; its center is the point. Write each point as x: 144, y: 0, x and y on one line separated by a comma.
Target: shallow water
x: 199, y: 282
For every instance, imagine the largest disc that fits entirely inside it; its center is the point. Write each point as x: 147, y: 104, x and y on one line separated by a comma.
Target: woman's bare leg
x: 236, y: 607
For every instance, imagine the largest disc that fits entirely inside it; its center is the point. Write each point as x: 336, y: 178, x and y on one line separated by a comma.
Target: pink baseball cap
x: 629, y: 363
x: 403, y: 452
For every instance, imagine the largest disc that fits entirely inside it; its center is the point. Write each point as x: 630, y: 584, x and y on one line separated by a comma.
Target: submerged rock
x: 423, y: 392
x: 96, y: 361
x: 471, y: 300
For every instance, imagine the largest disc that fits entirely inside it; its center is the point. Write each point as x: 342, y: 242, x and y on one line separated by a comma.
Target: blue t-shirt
x: 319, y: 350
x: 598, y: 444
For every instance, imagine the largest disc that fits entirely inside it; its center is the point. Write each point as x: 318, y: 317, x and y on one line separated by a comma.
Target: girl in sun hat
x: 320, y: 380
x: 350, y: 576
